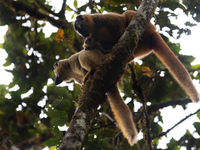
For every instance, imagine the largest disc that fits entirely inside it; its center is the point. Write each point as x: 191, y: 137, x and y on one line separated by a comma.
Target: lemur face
x: 60, y: 68
x: 83, y: 25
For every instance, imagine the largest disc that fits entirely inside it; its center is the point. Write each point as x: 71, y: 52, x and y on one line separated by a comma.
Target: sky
x: 189, y: 46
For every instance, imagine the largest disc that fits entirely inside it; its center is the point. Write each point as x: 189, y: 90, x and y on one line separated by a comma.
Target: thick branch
x: 106, y: 76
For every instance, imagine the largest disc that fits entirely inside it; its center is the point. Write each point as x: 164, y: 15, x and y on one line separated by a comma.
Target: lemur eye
x: 55, y: 64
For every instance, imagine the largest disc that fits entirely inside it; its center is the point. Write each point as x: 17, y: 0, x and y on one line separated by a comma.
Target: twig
x: 109, y: 117
x: 60, y: 14
x: 41, y: 5
x: 182, y: 120
x: 156, y: 107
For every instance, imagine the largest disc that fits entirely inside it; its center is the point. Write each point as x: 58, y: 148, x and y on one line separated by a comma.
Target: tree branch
x: 153, y: 108
x: 182, y: 120
x: 41, y: 5
x: 156, y: 107
x: 62, y: 11
x: 146, y: 122
x: 101, y: 80
x: 60, y: 14
x: 18, y: 6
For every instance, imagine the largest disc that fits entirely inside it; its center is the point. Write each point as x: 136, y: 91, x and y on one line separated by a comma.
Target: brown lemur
x: 76, y: 67
x: 106, y: 29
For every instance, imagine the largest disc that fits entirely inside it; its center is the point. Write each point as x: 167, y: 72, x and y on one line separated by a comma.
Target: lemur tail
x: 175, y: 67
x: 122, y: 115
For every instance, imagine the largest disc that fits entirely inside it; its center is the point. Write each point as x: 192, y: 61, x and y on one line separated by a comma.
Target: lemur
x: 76, y: 67
x: 106, y: 29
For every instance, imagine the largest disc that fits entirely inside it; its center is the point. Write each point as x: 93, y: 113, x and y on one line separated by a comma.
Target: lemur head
x: 103, y: 28
x: 60, y: 72
x: 84, y: 25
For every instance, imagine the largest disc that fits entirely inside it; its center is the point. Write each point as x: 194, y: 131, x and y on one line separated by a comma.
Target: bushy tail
x: 122, y: 115
x: 175, y: 67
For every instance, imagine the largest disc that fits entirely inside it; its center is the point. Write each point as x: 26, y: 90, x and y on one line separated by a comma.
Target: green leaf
x: 51, y: 142
x: 72, y: 16
x: 56, y: 132
x: 198, y: 115
x: 52, y: 148
x: 3, y: 92
x: 1, y: 46
x: 172, y: 145
x: 75, y: 3
x: 58, y: 118
x: 68, y: 8
x: 196, y: 66
x: 197, y: 126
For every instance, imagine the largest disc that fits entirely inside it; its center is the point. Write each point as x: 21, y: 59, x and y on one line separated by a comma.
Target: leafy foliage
x: 33, y: 121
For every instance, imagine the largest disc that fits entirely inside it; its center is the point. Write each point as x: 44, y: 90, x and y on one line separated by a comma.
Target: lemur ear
x: 57, y: 81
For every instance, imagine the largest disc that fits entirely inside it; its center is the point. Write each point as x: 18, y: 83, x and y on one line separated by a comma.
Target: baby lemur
x: 106, y: 29
x: 75, y: 68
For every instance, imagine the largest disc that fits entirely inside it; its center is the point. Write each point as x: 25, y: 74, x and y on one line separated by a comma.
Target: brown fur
x: 71, y: 69
x: 123, y: 115
x: 106, y: 31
